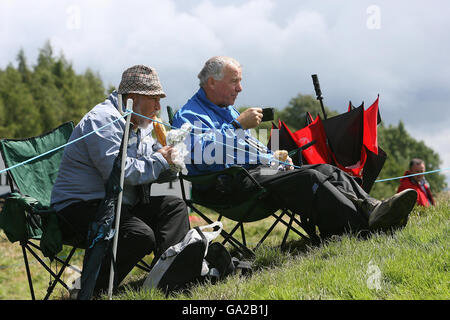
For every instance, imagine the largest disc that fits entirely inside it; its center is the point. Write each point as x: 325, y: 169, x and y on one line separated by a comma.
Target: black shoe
x: 367, y: 205
x: 393, y: 212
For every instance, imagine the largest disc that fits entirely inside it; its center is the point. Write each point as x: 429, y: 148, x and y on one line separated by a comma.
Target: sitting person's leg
x: 136, y: 239
x: 168, y: 217
x: 74, y: 221
x: 382, y: 215
x: 145, y: 228
x: 308, y: 193
x: 348, y: 187
x: 333, y: 200
x: 341, y: 180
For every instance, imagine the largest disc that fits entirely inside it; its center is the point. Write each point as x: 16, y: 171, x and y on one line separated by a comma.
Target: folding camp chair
x: 242, y: 206
x: 27, y: 216
x: 220, y: 191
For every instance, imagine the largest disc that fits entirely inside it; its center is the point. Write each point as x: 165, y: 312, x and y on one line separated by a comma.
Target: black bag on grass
x: 192, y: 260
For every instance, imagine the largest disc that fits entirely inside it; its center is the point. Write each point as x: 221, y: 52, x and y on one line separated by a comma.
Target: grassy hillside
x: 411, y: 264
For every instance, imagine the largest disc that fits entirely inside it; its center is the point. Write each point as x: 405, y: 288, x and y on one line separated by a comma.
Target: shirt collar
x: 201, y: 94
x: 113, y: 97
x: 224, y: 113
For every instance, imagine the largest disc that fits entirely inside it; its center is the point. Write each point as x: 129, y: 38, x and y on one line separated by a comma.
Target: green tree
x: 23, y: 67
x: 294, y: 115
x: 47, y: 94
x: 45, y: 58
x: 2, y: 118
x: 20, y: 117
x: 35, y: 100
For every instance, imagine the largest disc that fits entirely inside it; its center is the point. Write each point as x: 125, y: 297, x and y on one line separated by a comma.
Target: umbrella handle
x: 318, y: 93
x: 119, y: 200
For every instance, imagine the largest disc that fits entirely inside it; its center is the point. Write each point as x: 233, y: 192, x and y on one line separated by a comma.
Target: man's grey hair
x: 415, y: 161
x: 214, y: 68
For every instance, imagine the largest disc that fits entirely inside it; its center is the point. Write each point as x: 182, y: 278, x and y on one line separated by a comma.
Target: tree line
x: 36, y: 99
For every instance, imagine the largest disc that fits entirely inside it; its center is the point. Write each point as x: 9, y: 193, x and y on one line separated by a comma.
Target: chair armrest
x: 24, y: 218
x: 18, y: 220
x: 209, y: 178
x: 167, y: 176
x: 226, y: 181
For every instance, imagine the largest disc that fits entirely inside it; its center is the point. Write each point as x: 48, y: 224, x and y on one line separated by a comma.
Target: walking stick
x: 318, y: 93
x: 119, y: 200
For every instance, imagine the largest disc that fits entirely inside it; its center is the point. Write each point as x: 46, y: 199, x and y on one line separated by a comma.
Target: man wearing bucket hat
x: 146, y: 226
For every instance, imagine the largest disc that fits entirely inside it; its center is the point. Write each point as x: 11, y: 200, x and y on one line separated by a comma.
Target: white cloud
x: 280, y: 44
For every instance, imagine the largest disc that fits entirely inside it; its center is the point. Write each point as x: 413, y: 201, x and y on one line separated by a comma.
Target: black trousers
x: 323, y: 194
x: 143, y: 229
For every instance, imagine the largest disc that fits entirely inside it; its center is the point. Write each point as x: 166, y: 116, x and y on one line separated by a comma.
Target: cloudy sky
x: 358, y: 48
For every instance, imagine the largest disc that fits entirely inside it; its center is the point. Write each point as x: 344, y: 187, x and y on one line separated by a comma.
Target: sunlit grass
x: 411, y: 263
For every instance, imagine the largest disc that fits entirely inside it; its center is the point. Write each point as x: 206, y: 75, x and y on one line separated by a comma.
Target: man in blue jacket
x: 324, y: 194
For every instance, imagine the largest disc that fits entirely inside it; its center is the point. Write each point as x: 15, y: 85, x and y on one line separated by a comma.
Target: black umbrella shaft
x: 318, y: 93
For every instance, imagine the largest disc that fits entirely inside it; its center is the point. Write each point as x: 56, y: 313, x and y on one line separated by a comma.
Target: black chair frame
x: 242, y: 247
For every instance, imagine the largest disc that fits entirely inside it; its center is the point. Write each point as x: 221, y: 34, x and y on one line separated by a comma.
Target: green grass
x: 412, y: 263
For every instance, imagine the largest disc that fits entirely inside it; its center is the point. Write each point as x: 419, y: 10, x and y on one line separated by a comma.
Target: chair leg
x: 27, y: 267
x: 46, y: 267
x: 278, y: 219
x: 295, y: 230
x: 288, y: 228
x: 58, y: 276
x: 243, y: 234
x: 144, y: 266
x: 234, y: 242
x: 310, y: 230
x: 229, y: 236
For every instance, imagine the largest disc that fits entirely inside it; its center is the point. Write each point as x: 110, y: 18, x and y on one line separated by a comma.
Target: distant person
x: 418, y: 183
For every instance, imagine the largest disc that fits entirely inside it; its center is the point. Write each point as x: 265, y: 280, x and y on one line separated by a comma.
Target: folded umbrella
x: 105, y: 225
x: 100, y: 233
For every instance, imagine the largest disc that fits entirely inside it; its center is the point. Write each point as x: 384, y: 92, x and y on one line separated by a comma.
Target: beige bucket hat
x: 141, y: 79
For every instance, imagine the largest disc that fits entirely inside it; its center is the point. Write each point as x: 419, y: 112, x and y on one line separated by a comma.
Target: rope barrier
x: 412, y: 175
x: 192, y: 133
x: 62, y: 146
x: 285, y: 163
x: 268, y: 155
